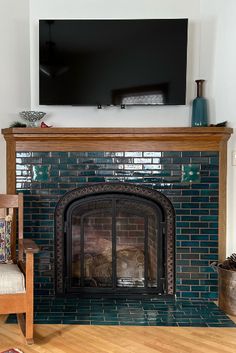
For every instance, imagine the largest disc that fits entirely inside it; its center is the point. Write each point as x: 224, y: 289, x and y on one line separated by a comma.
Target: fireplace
x: 115, y: 238
x: 186, y: 165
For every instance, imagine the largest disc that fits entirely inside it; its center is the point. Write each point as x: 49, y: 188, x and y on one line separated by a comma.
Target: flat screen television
x: 112, y: 62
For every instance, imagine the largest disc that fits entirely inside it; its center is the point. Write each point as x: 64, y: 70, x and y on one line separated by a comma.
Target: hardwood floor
x: 120, y: 339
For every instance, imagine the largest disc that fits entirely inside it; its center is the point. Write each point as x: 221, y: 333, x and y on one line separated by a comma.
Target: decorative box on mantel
x: 186, y: 165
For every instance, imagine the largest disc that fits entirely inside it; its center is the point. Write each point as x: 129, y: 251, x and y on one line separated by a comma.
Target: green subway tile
x: 181, y: 186
x: 189, y: 231
x: 199, y: 225
x: 209, y: 218
x: 208, y: 282
x: 211, y: 257
x: 191, y: 205
x: 200, y: 186
x: 200, y: 250
x: 67, y: 160
x: 199, y: 212
x: 189, y: 256
x: 183, y: 250
x: 200, y: 160
x: 213, y: 186
x: 181, y: 160
x: 209, y: 154
x: 214, y: 173
x: 214, y: 160
x: 199, y: 263
x: 210, y: 180
x: 200, y: 199
x: 191, y: 154
x: 60, y: 154
x: 190, y: 295
x: 87, y: 173
x: 183, y: 288
x: 95, y: 154
x: 213, y: 225
x: 133, y: 154
x: 50, y: 160
x: 209, y: 295
x: 214, y: 199
x: 210, y: 244
x: 214, y: 237
x: 152, y: 154
x: 207, y: 269
x: 190, y: 218
x: 171, y: 154
x: 182, y: 237
x: 200, y: 237
x: 96, y: 180
x: 208, y: 231
x: 190, y: 192
x: 209, y: 205
x: 183, y: 263
x: 199, y: 276
x: 190, y: 269
x: 189, y: 243
x: 190, y: 281
x: 213, y: 288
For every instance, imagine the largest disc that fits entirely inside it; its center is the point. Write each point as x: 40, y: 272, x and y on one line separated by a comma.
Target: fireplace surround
x: 46, y: 164
x: 114, y: 238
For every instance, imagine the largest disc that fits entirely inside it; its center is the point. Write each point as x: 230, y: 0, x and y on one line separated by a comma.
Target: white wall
x: 14, y: 68
x: 132, y: 116
x: 218, y: 66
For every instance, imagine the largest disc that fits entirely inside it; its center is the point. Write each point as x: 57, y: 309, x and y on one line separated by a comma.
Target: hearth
x: 115, y: 238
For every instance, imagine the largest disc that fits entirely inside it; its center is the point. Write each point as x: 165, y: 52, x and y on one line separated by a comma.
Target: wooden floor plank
x: 120, y: 339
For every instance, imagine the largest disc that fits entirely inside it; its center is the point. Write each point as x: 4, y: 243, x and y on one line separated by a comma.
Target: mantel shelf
x: 59, y: 139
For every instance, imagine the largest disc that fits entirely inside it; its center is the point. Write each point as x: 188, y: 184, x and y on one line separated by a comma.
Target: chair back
x: 8, y: 205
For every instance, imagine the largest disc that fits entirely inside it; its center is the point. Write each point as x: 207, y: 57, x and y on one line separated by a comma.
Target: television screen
x: 112, y: 62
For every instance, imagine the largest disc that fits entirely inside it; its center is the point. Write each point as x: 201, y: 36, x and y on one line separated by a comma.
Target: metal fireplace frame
x: 103, y: 189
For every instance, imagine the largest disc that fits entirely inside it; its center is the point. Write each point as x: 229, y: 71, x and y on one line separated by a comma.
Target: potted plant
x: 227, y: 285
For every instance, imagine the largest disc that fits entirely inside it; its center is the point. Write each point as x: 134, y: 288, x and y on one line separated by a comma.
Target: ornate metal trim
x: 125, y: 188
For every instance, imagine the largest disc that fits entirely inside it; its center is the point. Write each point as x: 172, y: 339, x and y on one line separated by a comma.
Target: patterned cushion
x: 12, y: 279
x: 5, y: 240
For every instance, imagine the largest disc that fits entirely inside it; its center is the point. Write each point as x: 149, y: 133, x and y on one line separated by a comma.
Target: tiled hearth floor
x: 133, y: 312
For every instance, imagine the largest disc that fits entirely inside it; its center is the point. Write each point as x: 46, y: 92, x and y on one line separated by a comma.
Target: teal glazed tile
x: 40, y: 172
x: 209, y: 154
x: 144, y: 312
x: 190, y: 200
x: 133, y: 154
x: 95, y: 154
x: 152, y: 154
x: 191, y: 154
x: 191, y: 173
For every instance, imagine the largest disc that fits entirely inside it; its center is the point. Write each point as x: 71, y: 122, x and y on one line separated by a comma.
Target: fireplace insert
x: 115, y: 239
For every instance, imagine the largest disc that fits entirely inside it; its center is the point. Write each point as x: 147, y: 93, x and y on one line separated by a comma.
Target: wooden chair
x: 16, y: 278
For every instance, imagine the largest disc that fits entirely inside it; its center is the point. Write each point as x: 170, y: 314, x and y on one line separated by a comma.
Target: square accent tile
x: 40, y: 172
x: 191, y: 173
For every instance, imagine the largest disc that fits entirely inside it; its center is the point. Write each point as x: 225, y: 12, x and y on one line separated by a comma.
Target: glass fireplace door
x: 91, y: 245
x: 114, y: 244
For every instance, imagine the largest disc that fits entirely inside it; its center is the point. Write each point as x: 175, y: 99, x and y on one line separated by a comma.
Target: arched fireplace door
x: 115, y: 238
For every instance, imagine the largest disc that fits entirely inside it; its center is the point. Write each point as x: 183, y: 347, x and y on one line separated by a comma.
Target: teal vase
x: 199, y: 112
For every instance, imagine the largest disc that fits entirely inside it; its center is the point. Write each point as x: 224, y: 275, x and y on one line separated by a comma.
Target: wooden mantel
x: 124, y: 139
x: 150, y: 139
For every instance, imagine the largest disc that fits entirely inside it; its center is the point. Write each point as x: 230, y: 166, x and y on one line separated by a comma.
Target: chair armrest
x: 28, y: 246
